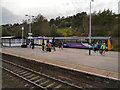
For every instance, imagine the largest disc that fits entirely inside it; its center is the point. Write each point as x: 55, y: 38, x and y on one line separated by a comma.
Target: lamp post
x: 30, y: 33
x: 90, y: 31
x: 22, y: 34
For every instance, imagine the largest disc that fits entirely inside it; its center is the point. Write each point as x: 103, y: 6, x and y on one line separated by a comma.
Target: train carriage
x: 83, y: 42
x: 78, y: 42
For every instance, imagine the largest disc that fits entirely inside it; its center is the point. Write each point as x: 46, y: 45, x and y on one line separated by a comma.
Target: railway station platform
x: 76, y: 59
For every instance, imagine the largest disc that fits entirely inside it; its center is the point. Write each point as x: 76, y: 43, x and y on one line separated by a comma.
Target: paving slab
x: 77, y: 59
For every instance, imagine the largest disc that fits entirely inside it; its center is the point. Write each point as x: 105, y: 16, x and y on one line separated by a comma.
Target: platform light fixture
x: 22, y: 35
x: 30, y: 33
x: 90, y: 30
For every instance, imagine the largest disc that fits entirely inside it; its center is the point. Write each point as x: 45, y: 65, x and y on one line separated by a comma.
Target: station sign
x: 30, y: 34
x: 89, y: 37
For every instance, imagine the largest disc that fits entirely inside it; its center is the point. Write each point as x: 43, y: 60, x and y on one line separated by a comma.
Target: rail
x: 38, y: 79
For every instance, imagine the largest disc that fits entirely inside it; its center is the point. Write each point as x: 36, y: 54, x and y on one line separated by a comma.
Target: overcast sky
x: 16, y: 9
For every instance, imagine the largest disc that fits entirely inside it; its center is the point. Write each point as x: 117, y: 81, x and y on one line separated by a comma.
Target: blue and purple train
x: 76, y: 42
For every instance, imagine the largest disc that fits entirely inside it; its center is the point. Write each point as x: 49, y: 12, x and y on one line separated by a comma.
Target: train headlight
x: 64, y: 44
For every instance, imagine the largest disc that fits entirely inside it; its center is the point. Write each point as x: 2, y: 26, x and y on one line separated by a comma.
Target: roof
x: 60, y: 38
x: 8, y: 37
x: 12, y: 37
x: 77, y: 38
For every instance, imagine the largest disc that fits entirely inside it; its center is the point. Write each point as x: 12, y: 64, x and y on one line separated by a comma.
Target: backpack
x: 95, y: 46
x: 49, y: 45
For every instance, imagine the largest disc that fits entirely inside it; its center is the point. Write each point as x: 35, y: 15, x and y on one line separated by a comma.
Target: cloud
x: 8, y: 17
x: 52, y: 8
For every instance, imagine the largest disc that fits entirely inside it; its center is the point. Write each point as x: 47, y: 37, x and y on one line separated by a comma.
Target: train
x: 75, y: 41
x: 68, y: 42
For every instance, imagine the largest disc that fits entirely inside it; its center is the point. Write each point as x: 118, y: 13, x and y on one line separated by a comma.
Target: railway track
x: 40, y: 80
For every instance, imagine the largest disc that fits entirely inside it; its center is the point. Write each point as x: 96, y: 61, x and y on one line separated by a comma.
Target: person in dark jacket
x: 32, y: 44
x: 53, y: 41
x: 98, y: 47
x: 43, y: 45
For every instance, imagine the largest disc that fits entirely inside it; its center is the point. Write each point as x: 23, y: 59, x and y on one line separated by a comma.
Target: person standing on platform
x: 103, y: 49
x: 32, y: 44
x: 54, y: 46
x: 95, y: 47
x: 53, y: 41
x: 59, y: 45
x: 98, y: 47
x: 43, y: 45
x: 49, y: 47
x: 46, y: 47
x: 62, y: 45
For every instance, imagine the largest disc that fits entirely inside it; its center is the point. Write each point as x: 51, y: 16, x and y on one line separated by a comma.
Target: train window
x: 73, y: 41
x: 78, y: 41
x: 69, y: 41
x: 84, y: 41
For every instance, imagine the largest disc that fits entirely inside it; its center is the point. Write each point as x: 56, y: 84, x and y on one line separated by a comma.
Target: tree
x: 5, y: 31
x: 40, y: 27
x: 57, y: 21
x: 62, y: 24
x: 52, y: 21
x: 53, y: 31
x: 26, y: 28
x: 77, y: 22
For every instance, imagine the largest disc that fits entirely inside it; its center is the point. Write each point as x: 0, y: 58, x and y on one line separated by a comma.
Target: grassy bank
x: 65, y: 31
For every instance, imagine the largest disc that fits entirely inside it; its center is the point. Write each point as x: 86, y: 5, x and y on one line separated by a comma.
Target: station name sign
x: 90, y: 37
x: 30, y: 34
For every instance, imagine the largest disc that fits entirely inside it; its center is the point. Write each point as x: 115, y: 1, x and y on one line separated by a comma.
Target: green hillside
x: 65, y: 31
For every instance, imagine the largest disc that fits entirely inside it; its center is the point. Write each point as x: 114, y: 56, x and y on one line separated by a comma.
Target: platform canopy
x: 77, y: 38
